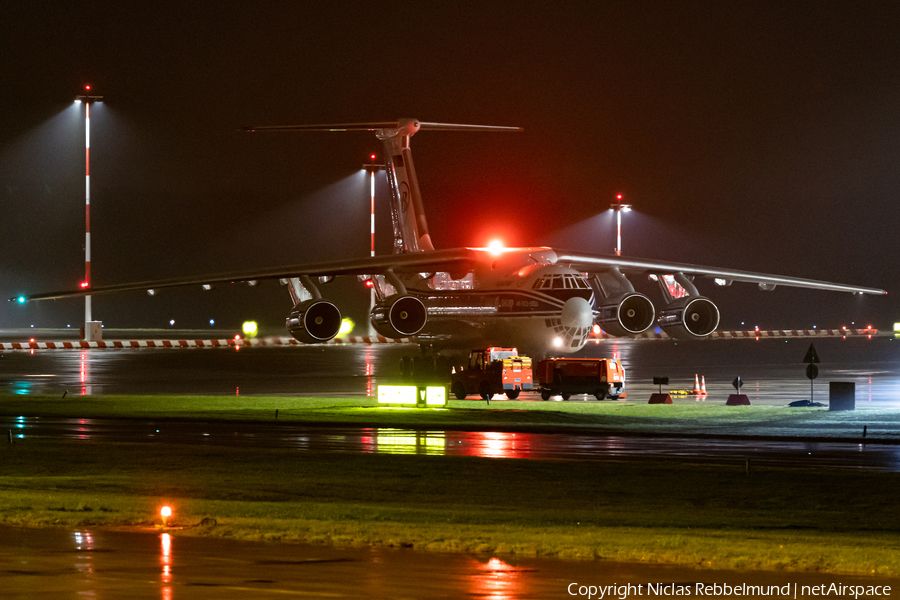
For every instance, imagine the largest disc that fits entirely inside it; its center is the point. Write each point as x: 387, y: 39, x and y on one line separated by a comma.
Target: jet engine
x: 625, y: 314
x: 314, y: 321
x: 689, y: 317
x: 399, y: 316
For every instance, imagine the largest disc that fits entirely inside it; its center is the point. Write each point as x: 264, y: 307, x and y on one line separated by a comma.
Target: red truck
x: 602, y: 377
x: 492, y: 371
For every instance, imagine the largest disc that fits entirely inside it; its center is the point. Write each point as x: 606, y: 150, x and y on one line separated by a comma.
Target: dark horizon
x: 758, y: 137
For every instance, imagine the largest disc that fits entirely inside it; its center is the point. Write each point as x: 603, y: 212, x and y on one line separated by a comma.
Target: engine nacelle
x: 689, y: 317
x: 399, y: 316
x: 625, y: 314
x: 314, y: 321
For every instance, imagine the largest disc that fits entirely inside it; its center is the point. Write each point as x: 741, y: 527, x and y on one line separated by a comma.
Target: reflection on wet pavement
x: 772, y: 370
x: 100, y: 564
x: 486, y: 444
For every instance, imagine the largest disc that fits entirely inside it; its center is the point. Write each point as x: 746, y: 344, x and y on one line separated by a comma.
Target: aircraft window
x: 567, y: 281
x: 558, y: 282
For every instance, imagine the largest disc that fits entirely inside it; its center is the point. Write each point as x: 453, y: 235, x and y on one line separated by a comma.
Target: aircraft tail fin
x: 407, y: 212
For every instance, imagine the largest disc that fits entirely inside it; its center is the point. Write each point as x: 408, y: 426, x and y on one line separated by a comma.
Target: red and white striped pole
x: 87, y: 213
x: 619, y: 208
x: 372, y: 212
x: 87, y: 99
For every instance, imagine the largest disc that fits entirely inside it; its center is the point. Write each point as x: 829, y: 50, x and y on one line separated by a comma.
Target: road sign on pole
x: 812, y: 371
x: 811, y: 355
x: 737, y: 383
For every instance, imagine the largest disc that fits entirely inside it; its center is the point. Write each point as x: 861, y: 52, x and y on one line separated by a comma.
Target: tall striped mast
x: 87, y: 99
x: 372, y: 168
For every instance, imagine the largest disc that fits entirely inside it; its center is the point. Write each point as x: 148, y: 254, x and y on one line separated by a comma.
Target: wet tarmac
x: 486, y: 444
x: 102, y: 564
x: 772, y: 370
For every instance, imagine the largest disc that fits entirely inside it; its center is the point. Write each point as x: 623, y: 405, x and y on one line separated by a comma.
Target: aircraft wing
x: 456, y: 260
x: 593, y: 263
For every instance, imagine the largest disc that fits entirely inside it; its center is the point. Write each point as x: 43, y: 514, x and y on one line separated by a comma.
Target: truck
x: 491, y: 371
x: 601, y: 377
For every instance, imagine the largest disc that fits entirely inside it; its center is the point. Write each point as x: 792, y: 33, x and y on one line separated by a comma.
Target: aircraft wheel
x: 405, y: 367
x: 419, y: 367
x: 459, y: 390
x: 566, y: 396
x: 512, y: 394
x: 545, y: 394
x: 600, y: 394
x: 442, y: 372
x: 485, y: 391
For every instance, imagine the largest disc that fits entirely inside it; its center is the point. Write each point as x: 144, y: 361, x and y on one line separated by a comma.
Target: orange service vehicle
x: 493, y: 371
x: 601, y: 377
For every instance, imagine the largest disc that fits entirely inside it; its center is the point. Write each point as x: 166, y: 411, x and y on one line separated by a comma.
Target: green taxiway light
x: 21, y: 299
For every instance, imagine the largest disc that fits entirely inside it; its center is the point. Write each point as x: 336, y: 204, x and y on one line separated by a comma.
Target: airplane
x: 539, y: 299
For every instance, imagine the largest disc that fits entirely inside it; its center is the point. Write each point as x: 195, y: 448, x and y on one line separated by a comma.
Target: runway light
x: 597, y: 329
x: 212, y: 321
x: 165, y: 512
x: 249, y: 328
x: 172, y: 322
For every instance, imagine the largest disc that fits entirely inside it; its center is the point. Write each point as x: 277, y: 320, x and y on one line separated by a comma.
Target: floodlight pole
x: 89, y: 335
x: 372, y: 168
x: 619, y: 208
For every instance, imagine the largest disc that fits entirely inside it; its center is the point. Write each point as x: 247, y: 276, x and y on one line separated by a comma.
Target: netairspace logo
x: 789, y: 590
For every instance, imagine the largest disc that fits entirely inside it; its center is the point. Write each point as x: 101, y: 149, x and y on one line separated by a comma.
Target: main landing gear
x: 428, y: 367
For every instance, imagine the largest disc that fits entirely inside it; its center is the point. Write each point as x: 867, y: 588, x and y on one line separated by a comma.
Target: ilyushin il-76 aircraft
x: 538, y: 298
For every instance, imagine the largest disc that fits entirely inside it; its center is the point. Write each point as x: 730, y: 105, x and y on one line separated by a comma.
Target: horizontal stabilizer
x: 382, y: 125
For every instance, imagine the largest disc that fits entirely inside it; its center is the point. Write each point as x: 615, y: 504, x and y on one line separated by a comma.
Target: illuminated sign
x: 412, y: 395
x: 396, y: 394
x: 436, y: 396
x: 896, y: 327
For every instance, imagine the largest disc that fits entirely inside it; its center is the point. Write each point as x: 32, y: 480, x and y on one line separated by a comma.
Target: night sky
x: 757, y: 136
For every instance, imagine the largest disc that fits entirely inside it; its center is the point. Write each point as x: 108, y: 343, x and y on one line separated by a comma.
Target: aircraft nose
x: 577, y: 313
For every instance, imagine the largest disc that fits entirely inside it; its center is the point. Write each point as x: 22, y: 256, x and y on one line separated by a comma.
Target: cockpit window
x: 561, y: 282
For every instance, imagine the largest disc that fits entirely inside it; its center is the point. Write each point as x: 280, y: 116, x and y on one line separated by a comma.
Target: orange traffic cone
x: 702, y: 385
x: 696, y: 391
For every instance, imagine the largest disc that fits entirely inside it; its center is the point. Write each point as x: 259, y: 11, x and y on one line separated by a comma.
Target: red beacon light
x: 496, y: 247
x: 84, y: 284
x: 370, y: 284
